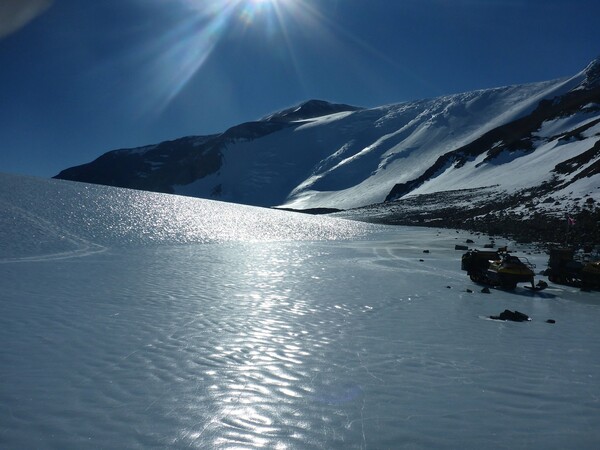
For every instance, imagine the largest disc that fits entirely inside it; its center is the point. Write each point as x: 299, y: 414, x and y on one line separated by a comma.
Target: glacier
x: 133, y: 319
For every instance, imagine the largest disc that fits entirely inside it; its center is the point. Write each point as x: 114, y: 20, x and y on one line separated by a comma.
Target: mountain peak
x: 308, y: 110
x: 592, y: 74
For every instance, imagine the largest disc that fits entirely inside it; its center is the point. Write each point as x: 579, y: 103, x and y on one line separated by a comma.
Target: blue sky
x: 81, y: 77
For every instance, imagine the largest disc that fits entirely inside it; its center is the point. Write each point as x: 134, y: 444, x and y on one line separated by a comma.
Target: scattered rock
x: 469, y: 291
x: 550, y: 321
x: 421, y: 260
x: 425, y: 251
x: 513, y: 316
x: 460, y: 247
x: 488, y: 246
x: 502, y: 217
x: 470, y: 241
x: 485, y: 290
x: 449, y: 287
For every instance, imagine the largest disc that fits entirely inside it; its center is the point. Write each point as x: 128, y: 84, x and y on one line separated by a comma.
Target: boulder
x: 513, y: 316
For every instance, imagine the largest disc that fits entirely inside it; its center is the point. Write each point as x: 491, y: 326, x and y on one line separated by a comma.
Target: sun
x: 262, y: 5
x: 176, y: 56
x: 261, y: 2
x: 263, y: 11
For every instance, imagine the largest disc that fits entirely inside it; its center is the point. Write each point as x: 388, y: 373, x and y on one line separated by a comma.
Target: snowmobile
x: 499, y: 268
x: 563, y: 268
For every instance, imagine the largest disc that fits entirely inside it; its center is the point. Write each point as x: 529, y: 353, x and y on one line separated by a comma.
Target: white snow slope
x: 139, y: 320
x: 352, y: 159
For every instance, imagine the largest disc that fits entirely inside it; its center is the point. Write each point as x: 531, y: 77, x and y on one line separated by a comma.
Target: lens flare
x: 173, y: 57
x: 197, y: 27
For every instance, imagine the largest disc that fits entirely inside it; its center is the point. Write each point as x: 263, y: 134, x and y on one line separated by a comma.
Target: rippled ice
x: 354, y: 340
x: 52, y: 219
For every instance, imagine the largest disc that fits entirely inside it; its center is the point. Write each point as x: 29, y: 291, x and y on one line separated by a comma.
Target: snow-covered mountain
x: 538, y: 141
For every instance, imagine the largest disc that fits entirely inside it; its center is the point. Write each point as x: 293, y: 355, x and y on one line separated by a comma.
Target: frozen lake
x: 128, y: 322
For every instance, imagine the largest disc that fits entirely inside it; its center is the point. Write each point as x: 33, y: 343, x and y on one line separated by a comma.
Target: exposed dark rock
x: 310, y: 109
x: 510, y: 141
x: 160, y: 167
x: 513, y: 316
x: 488, y: 216
x: 313, y: 211
x: 485, y: 290
x: 512, y: 137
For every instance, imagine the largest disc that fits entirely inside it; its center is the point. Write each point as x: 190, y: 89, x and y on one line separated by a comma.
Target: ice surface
x: 118, y: 333
x: 52, y: 219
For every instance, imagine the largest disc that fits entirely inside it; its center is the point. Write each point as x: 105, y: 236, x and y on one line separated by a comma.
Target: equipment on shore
x: 564, y: 268
x: 499, y: 268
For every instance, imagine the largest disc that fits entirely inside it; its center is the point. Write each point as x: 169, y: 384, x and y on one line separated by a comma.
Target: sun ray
x: 176, y: 56
x: 179, y: 54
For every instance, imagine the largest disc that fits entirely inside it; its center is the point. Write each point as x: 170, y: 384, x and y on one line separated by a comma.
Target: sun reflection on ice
x: 263, y: 376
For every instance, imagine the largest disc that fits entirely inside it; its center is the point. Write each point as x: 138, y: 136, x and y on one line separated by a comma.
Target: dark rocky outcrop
x: 309, y: 110
x: 513, y: 316
x: 160, y: 167
x: 488, y: 213
x: 518, y: 135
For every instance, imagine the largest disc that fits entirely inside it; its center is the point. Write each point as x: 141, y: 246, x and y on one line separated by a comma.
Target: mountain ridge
x: 320, y: 156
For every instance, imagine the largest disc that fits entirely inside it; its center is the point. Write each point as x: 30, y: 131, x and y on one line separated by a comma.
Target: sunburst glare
x: 172, y: 59
x: 176, y: 56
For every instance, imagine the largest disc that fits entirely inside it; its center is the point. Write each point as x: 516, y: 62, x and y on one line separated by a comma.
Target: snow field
x: 353, y: 338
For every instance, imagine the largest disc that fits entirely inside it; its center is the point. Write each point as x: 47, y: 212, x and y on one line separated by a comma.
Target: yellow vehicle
x: 499, y: 268
x: 563, y: 268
